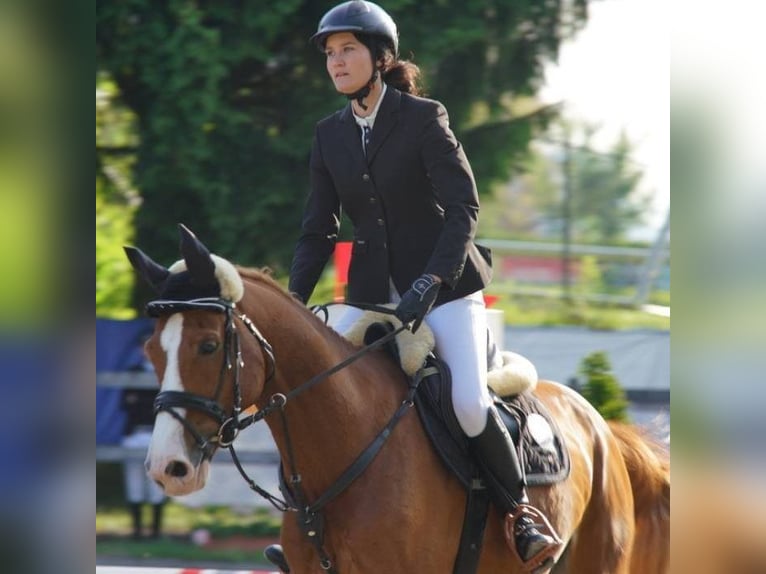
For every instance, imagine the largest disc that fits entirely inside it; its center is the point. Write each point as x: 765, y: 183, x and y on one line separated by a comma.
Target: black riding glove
x: 417, y: 301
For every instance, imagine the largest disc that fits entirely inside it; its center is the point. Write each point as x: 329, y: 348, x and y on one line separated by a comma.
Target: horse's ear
x: 198, y: 261
x: 153, y: 273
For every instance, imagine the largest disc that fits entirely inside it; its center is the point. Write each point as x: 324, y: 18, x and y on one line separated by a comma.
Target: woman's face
x: 349, y: 62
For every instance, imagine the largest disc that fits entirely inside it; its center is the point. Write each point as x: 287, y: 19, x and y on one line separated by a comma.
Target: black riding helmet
x: 357, y: 16
x: 367, y: 21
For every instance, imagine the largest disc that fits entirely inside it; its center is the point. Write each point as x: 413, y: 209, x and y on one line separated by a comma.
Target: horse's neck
x: 331, y: 423
x: 334, y: 421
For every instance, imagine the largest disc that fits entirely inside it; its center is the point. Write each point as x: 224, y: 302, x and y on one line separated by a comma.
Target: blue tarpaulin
x: 28, y: 424
x: 119, y: 347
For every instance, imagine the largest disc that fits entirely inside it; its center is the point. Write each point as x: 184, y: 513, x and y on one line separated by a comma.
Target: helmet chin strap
x: 362, y: 93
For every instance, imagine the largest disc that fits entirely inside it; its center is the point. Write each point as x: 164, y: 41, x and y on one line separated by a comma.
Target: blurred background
x: 719, y: 274
x: 570, y: 114
x: 46, y: 335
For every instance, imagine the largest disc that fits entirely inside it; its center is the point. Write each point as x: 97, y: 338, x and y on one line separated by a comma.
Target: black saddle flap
x: 543, y: 465
x: 444, y: 432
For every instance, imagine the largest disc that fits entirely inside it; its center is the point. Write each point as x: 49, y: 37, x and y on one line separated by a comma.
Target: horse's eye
x: 208, y: 347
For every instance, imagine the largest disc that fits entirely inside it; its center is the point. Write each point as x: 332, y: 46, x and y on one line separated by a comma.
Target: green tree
x: 602, y: 389
x: 226, y: 95
x: 589, y: 279
x: 114, y: 281
x: 605, y: 199
x: 116, y: 203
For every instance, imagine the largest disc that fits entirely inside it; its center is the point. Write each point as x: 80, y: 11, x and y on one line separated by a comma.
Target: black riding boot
x: 276, y: 556
x: 496, y: 455
x: 135, y: 515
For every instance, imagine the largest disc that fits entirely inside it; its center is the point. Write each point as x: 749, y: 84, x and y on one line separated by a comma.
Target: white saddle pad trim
x: 516, y: 375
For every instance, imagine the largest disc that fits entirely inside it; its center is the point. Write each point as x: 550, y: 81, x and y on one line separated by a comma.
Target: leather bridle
x: 229, y: 423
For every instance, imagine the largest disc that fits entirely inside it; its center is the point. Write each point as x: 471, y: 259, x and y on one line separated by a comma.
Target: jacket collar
x: 384, y: 122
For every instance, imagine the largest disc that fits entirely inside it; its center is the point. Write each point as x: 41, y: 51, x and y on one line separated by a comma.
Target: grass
x: 181, y: 549
x: 220, y: 521
x: 235, y: 537
x: 541, y: 311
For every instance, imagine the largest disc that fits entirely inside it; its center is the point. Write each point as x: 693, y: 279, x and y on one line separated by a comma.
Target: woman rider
x: 390, y: 160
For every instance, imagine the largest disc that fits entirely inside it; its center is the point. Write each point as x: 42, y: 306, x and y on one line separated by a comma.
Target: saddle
x: 540, y: 446
x: 511, y: 379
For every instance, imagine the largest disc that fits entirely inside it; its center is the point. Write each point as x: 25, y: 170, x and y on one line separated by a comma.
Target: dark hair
x: 403, y: 75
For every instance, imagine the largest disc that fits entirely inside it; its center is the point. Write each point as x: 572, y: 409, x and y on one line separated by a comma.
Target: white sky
x: 616, y: 73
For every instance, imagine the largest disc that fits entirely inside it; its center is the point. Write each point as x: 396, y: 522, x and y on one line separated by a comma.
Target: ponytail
x: 400, y: 74
x: 404, y: 76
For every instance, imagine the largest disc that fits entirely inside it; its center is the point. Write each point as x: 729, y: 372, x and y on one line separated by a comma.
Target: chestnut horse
x: 229, y: 337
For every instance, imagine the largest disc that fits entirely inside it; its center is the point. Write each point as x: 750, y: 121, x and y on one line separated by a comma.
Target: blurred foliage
x: 602, y: 389
x: 605, y: 200
x: 220, y: 521
x: 116, y: 202
x: 514, y: 209
x: 30, y: 289
x: 589, y: 278
x: 549, y: 310
x: 660, y: 298
x: 178, y: 549
x: 113, y: 530
x: 179, y: 519
x: 523, y: 310
x: 175, y: 549
x: 226, y: 94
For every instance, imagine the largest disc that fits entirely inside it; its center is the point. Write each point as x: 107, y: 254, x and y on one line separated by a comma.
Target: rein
x: 310, y: 517
x: 279, y: 400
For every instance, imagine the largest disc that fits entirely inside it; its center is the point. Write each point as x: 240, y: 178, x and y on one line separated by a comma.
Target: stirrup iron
x: 276, y: 556
x: 544, y: 559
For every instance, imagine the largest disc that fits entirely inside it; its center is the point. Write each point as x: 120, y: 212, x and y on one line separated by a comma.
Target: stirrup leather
x: 543, y: 559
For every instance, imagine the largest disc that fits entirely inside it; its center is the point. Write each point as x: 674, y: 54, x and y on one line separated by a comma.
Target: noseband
x: 229, y: 424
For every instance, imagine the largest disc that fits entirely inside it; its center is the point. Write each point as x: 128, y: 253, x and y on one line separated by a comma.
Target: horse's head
x: 196, y: 352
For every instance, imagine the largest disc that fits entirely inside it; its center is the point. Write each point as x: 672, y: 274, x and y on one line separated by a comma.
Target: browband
x: 160, y: 307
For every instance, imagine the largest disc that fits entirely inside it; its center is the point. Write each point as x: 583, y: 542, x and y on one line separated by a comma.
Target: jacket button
x: 366, y: 177
x: 372, y: 199
x: 381, y: 222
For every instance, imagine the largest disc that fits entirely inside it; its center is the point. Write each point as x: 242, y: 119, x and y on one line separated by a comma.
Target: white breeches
x: 460, y: 330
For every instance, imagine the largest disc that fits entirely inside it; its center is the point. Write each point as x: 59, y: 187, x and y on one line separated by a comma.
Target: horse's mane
x: 263, y: 276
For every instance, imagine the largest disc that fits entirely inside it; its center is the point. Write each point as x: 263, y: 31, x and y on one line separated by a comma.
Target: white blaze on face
x: 168, y: 437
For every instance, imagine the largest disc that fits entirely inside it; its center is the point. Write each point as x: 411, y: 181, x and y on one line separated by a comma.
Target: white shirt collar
x: 370, y: 120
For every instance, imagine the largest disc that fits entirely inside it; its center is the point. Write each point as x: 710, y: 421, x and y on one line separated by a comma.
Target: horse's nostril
x: 176, y: 469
